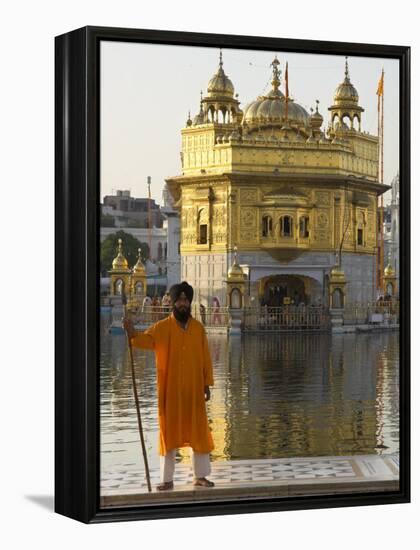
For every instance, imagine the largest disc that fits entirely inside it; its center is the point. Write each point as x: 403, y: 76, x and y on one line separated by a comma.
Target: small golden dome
x: 235, y: 270
x: 139, y: 268
x: 389, y: 271
x: 220, y: 84
x: 336, y: 270
x: 346, y: 92
x: 316, y: 118
x: 120, y: 261
x: 337, y: 274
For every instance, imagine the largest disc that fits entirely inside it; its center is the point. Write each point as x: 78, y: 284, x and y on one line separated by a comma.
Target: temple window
x: 304, y: 226
x: 337, y: 299
x: 360, y: 236
x: 267, y: 226
x: 202, y: 227
x: 203, y: 234
x: 286, y: 226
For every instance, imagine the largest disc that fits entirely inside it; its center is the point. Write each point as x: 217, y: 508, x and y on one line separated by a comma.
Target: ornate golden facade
x: 271, y: 181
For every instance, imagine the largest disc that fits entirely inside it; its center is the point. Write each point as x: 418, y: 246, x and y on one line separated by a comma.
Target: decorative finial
x: 311, y: 109
x: 139, y: 256
x: 317, y: 104
x: 346, y: 71
x: 220, y: 59
x: 235, y: 254
x: 120, y: 244
x: 201, y: 96
x: 276, y: 73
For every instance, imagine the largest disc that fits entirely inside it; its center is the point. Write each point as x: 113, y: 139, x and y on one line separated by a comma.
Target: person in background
x: 203, y: 313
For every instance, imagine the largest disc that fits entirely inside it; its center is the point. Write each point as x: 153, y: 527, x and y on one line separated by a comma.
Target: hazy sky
x: 147, y: 91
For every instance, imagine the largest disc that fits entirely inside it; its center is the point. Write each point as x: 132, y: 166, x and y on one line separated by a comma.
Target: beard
x: 182, y: 314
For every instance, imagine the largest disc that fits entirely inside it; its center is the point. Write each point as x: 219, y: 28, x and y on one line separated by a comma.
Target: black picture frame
x: 77, y: 292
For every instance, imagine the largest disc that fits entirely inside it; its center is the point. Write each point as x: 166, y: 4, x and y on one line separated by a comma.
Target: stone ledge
x: 280, y: 489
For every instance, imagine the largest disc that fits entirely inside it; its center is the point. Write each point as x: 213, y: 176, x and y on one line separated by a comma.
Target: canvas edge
x: 76, y: 286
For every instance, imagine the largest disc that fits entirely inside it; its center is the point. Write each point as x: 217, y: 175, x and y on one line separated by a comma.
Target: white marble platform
x: 316, y: 474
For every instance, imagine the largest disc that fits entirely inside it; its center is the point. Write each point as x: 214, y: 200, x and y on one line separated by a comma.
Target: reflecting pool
x: 275, y: 396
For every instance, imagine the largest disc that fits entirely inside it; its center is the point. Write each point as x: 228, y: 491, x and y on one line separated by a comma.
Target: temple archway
x: 276, y: 290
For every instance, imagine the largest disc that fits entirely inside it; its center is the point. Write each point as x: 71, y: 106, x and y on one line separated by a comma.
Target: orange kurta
x: 183, y: 369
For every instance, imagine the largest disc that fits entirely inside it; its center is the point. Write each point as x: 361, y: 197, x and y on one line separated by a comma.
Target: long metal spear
x: 136, y: 399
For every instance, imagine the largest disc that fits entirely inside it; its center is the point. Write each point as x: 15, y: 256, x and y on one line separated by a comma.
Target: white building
x: 173, y: 231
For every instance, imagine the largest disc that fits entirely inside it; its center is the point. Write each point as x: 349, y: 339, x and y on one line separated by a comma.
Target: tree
x: 109, y: 249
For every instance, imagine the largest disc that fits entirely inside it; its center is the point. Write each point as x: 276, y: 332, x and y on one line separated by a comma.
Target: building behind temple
x: 297, y: 199
x: 131, y: 215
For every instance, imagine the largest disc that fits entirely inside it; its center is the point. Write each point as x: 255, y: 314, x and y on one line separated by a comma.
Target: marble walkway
x: 283, y: 476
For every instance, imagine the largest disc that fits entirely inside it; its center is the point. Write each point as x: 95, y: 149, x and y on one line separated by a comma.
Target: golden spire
x: 346, y: 71
x: 276, y: 74
x: 120, y: 261
x: 235, y: 271
x: 139, y: 267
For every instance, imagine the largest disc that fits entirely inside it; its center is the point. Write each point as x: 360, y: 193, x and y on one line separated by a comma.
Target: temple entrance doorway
x: 279, y: 290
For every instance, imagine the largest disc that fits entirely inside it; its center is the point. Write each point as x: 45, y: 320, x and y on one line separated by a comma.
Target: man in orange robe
x: 184, y: 374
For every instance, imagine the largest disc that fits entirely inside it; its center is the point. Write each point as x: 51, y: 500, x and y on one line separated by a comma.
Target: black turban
x: 176, y: 290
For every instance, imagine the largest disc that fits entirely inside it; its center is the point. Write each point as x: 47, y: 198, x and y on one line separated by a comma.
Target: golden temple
x: 296, y: 197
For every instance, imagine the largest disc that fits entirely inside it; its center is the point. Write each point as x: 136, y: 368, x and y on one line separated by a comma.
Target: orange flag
x: 380, y: 90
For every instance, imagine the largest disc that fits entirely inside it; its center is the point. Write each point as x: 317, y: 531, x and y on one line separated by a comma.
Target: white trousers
x: 200, y: 464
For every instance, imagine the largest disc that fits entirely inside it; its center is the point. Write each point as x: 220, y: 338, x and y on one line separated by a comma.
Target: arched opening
x: 202, y: 226
x: 235, y: 299
x: 286, y: 226
x: 390, y: 289
x: 360, y: 236
x: 138, y: 288
x: 361, y: 229
x: 166, y: 250
x: 346, y: 121
x: 356, y: 117
x: 160, y: 251
x: 304, y: 227
x: 210, y: 114
x: 119, y: 287
x: 337, y: 299
x: 267, y: 226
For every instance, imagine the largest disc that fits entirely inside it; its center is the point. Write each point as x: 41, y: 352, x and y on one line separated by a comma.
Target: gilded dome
x: 235, y: 271
x: 389, y: 271
x: 120, y: 261
x: 316, y: 118
x: 271, y: 108
x: 346, y: 92
x: 220, y: 84
x: 139, y: 268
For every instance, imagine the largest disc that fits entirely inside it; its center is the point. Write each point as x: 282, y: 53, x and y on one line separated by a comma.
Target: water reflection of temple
x: 301, y: 395
x: 274, y: 396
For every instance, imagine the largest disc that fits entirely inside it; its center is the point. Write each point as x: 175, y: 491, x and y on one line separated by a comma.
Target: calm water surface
x: 284, y: 395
